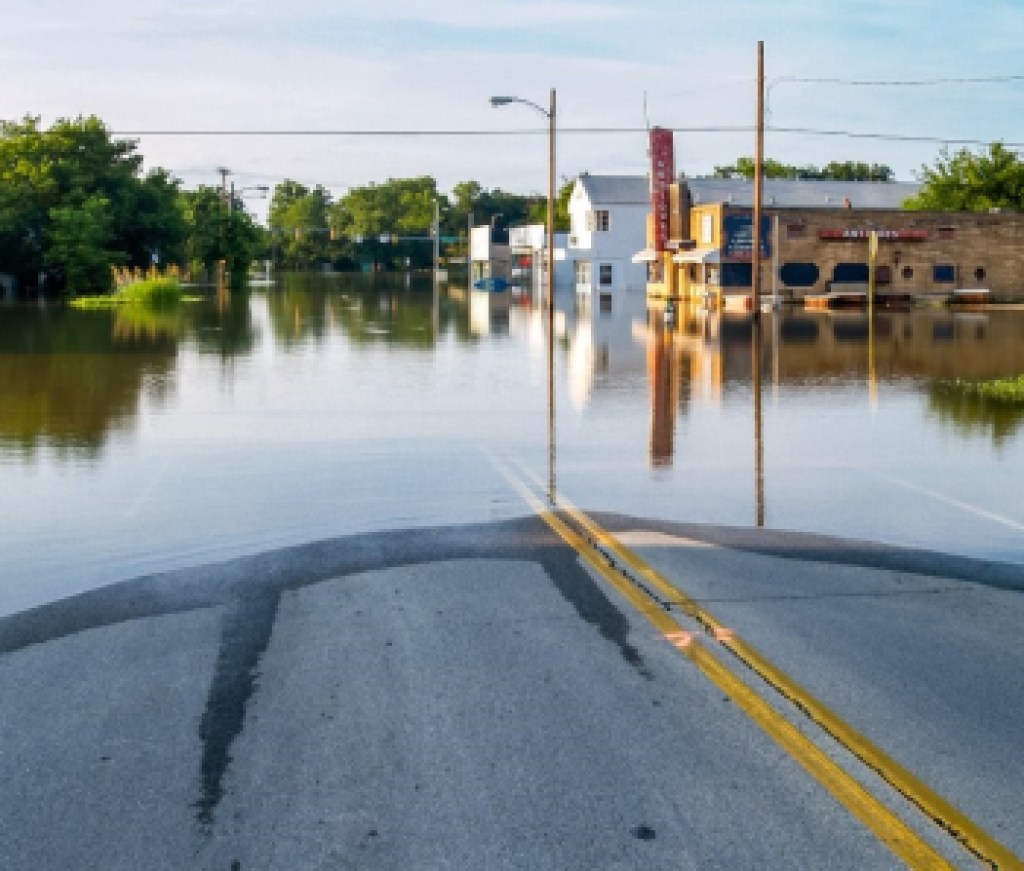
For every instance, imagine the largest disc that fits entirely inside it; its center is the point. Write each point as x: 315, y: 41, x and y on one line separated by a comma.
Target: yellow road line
x: 886, y: 826
x: 946, y: 815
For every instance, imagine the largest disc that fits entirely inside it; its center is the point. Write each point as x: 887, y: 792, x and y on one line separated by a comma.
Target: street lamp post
x: 548, y: 113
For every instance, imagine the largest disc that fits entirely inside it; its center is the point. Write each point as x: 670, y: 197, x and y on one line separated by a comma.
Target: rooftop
x: 778, y: 192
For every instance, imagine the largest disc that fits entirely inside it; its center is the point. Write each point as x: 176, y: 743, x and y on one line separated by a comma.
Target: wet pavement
x: 473, y: 697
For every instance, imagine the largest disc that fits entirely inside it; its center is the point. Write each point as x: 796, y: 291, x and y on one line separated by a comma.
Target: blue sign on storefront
x: 738, y: 237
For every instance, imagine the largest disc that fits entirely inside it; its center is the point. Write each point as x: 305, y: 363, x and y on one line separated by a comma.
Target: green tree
x: 215, y: 231
x: 539, y: 211
x: 968, y: 182
x: 299, y: 221
x: 835, y: 170
x: 375, y: 213
x: 79, y: 240
x: 48, y: 175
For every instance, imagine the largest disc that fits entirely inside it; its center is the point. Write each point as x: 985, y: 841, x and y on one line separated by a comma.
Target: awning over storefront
x: 699, y: 255
x: 648, y: 255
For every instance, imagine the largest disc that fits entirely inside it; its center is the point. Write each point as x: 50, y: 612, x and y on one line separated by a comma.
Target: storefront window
x: 799, y: 274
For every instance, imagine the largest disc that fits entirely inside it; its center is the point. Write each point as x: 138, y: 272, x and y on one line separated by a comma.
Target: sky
x: 143, y: 66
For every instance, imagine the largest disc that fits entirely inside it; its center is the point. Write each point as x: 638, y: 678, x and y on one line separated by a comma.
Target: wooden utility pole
x: 755, y: 259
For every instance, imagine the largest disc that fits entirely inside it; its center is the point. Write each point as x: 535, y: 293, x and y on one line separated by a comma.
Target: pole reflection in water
x: 755, y: 345
x: 552, y: 493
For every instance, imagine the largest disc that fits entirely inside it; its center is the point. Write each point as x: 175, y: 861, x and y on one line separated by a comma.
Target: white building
x: 516, y: 257
x: 608, y: 225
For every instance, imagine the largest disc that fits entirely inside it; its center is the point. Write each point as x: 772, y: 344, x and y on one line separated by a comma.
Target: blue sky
x: 432, y: 64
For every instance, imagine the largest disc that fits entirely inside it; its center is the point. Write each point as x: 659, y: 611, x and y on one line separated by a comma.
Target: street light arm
x: 504, y: 101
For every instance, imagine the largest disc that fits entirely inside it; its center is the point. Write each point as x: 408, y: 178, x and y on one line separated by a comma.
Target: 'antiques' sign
x: 883, y: 235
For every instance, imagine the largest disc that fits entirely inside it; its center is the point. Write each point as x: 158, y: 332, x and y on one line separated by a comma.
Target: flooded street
x: 327, y: 405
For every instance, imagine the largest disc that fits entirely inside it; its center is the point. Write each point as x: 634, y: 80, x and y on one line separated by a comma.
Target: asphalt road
x: 476, y: 697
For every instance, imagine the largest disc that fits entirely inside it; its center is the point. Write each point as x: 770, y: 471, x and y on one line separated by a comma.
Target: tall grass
x: 137, y: 287
x: 1002, y: 390
x: 152, y: 286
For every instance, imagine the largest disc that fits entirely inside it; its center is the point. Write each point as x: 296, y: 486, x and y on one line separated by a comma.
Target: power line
x: 416, y: 133
x: 897, y: 82
x: 892, y: 137
x: 588, y: 131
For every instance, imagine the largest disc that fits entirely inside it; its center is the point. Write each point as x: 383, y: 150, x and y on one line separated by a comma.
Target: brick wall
x: 984, y: 250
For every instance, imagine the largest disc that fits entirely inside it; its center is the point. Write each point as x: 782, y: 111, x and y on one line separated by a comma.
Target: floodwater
x: 133, y: 442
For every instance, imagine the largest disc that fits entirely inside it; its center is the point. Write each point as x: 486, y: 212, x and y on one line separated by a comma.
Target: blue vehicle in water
x: 492, y: 284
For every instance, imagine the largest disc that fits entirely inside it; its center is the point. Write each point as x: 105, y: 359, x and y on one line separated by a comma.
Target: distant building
x: 607, y: 225
x: 814, y: 239
x: 516, y: 258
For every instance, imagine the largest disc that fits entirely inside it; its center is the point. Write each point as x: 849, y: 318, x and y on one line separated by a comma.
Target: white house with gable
x: 608, y: 225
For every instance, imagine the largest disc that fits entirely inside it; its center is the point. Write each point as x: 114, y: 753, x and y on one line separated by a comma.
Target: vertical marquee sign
x: 662, y: 174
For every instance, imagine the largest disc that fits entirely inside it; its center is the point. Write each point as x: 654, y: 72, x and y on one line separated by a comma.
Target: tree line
x: 391, y: 224
x: 75, y: 202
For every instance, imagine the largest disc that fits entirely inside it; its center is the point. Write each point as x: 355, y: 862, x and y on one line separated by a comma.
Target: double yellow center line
x: 649, y: 592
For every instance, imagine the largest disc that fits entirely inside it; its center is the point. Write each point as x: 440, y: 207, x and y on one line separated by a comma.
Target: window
x: 707, y: 229
x: 599, y: 220
x: 979, y: 273
x: 737, y: 275
x: 799, y: 274
x: 947, y: 232
x: 850, y: 273
x: 582, y: 269
x: 943, y: 273
x: 604, y: 275
x: 796, y: 231
x: 907, y: 273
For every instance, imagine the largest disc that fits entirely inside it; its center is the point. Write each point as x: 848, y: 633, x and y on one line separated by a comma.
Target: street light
x: 261, y: 189
x: 548, y: 113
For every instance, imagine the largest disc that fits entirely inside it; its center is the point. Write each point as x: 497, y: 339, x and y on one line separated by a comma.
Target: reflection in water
x: 225, y: 329
x: 70, y: 378
x: 552, y: 488
x: 706, y: 354
x: 308, y: 307
x: 153, y: 323
x: 362, y: 405
x: 973, y: 415
x: 755, y: 388
x: 663, y: 371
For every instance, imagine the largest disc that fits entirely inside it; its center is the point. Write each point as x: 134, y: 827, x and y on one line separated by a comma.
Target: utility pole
x: 224, y: 173
x: 437, y: 242
x: 222, y: 262
x: 755, y: 259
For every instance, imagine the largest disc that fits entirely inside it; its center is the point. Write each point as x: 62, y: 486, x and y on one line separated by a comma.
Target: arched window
x: 799, y: 274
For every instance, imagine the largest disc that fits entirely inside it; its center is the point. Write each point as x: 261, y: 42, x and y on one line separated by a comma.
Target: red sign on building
x: 663, y: 173
x: 897, y: 235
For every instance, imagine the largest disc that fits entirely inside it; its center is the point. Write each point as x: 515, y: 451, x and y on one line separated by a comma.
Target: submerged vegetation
x: 135, y: 287
x: 1002, y: 390
x: 994, y: 407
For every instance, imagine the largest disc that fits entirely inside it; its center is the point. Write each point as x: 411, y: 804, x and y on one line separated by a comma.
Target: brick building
x: 815, y: 241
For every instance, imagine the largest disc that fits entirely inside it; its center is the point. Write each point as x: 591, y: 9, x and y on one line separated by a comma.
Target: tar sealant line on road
x: 937, y: 808
x: 880, y: 820
x: 654, y: 596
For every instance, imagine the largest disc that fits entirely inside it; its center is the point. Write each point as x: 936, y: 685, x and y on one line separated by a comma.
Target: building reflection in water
x: 663, y: 367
